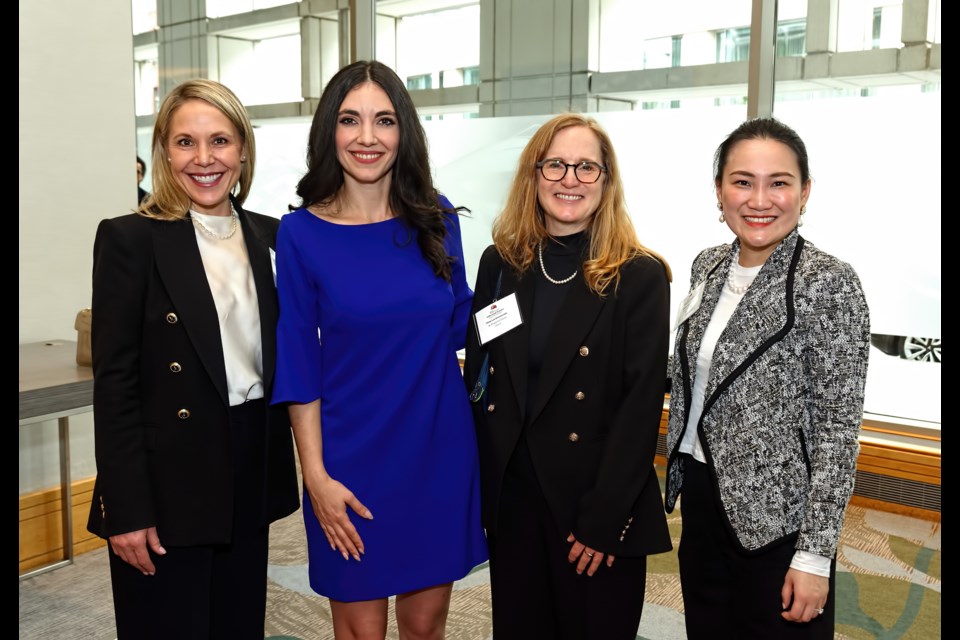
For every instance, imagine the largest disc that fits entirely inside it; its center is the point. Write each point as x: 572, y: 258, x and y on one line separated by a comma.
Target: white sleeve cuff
x: 811, y: 563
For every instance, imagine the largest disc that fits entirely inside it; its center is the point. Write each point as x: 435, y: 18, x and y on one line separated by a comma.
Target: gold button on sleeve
x: 183, y: 414
x: 573, y: 437
x: 175, y: 367
x: 584, y: 351
x: 172, y: 318
x: 579, y: 395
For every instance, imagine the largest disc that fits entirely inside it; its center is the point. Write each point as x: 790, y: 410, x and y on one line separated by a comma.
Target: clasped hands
x: 587, y: 559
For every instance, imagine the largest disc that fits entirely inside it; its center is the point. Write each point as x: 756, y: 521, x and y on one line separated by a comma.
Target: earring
x: 243, y: 158
x: 722, y: 218
x: 803, y: 210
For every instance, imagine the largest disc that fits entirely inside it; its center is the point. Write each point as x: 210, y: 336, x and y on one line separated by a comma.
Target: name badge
x: 496, y: 319
x: 690, y: 304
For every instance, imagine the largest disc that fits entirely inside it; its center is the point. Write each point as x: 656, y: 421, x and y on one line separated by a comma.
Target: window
x: 422, y: 81
x: 733, y: 45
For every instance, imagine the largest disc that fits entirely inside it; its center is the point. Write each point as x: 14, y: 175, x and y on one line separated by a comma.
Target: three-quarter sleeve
x: 298, y: 376
x: 463, y: 296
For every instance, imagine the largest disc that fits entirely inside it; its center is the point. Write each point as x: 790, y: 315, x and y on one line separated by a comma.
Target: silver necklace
x: 544, y: 269
x: 207, y: 231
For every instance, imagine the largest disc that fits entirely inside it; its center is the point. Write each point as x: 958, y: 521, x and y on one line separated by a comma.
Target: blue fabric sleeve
x: 299, y: 364
x: 463, y: 295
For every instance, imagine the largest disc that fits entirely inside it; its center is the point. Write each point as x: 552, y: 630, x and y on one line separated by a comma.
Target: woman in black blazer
x: 567, y: 424
x: 192, y: 465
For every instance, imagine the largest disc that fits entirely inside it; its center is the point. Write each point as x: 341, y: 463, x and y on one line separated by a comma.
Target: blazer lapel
x: 756, y: 323
x: 259, y: 243
x: 516, y: 343
x: 577, y: 316
x: 181, y: 269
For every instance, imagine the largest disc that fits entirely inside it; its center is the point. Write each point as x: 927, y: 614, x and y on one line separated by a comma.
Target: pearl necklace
x: 735, y: 288
x: 210, y: 233
x: 544, y: 269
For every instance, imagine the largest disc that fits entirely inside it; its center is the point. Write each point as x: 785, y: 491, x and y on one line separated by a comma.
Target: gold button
x: 175, y: 367
x: 490, y: 408
x: 573, y: 437
x: 579, y: 395
x: 491, y: 369
x: 584, y: 351
x: 630, y: 519
x: 183, y: 414
x: 172, y: 318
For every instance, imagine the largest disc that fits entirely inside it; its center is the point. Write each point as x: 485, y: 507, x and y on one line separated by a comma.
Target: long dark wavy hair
x: 412, y: 194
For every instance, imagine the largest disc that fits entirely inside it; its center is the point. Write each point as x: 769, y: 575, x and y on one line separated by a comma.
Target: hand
x: 808, y: 594
x: 132, y: 548
x: 586, y: 558
x: 330, y: 500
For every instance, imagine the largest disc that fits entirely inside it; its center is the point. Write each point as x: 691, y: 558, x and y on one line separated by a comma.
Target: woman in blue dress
x: 374, y: 304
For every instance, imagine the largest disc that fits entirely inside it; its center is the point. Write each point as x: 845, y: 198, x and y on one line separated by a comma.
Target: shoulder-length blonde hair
x: 168, y: 200
x: 520, y: 226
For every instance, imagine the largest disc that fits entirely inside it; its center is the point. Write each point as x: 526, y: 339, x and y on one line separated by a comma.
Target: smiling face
x: 368, y: 135
x: 761, y: 192
x: 568, y: 205
x: 206, y: 156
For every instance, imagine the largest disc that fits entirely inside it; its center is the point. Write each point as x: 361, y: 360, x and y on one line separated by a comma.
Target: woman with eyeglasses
x: 568, y: 405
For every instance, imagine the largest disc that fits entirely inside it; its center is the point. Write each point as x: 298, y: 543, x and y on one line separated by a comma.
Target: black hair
x: 412, y: 194
x: 143, y: 165
x: 762, y: 129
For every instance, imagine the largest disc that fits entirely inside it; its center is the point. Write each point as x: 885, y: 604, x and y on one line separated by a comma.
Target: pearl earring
x: 722, y: 218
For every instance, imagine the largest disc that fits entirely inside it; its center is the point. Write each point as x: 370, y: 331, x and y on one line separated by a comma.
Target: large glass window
x: 146, y: 81
x: 144, y: 15
x: 220, y: 8
x: 444, y: 45
x: 869, y: 24
x: 262, y: 68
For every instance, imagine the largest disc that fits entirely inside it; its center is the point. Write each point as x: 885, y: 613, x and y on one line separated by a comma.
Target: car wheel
x: 921, y: 349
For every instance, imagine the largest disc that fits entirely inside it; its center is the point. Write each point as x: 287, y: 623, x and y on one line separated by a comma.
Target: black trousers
x: 536, y: 592
x: 208, y: 591
x: 727, y: 593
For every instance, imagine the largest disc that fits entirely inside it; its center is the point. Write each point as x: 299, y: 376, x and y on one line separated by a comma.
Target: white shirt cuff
x: 811, y: 563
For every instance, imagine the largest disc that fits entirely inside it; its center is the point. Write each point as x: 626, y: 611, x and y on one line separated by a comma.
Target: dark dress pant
x: 207, y: 591
x: 536, y: 592
x: 725, y: 592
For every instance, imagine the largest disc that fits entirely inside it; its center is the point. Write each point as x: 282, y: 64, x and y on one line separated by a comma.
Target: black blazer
x: 592, y: 433
x: 161, y: 410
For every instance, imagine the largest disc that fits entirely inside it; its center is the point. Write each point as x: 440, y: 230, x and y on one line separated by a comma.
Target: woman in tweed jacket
x: 766, y: 403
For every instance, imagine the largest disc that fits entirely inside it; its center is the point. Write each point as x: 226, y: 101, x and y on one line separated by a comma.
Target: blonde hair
x: 168, y: 200
x: 613, y: 240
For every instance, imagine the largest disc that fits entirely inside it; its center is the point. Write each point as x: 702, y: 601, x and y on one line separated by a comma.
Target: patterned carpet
x: 888, y: 587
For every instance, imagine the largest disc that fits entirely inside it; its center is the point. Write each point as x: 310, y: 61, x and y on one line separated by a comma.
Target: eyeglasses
x: 555, y: 169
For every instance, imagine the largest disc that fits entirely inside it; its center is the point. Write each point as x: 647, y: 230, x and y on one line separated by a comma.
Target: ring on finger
x: 820, y: 612
x: 588, y: 554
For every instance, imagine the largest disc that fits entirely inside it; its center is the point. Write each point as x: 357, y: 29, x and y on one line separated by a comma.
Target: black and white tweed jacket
x: 784, y: 399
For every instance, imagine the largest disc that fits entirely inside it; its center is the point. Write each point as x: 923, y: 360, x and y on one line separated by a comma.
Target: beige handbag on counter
x: 84, y: 344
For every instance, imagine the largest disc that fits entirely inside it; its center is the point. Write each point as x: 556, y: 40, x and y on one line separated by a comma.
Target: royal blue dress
x: 396, y: 422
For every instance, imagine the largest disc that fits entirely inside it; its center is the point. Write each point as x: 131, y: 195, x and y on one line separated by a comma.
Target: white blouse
x: 230, y: 277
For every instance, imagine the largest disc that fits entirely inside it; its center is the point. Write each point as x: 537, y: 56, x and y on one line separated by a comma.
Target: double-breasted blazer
x: 592, y: 430
x: 784, y: 398
x: 161, y: 409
